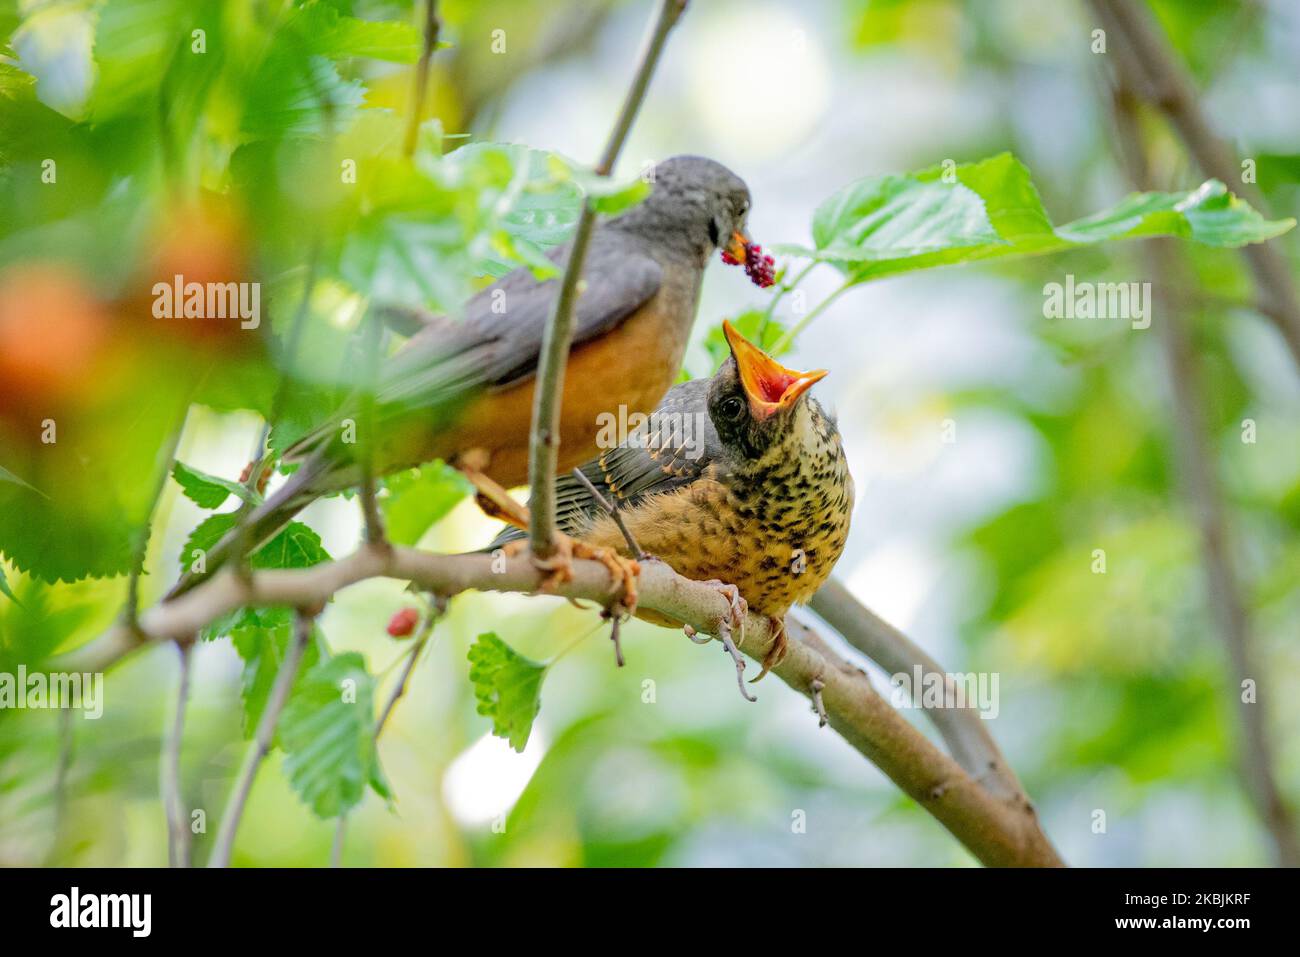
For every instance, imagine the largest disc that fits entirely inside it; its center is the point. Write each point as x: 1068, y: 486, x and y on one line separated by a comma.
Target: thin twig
x: 178, y: 832
x: 261, y: 744
x: 421, y: 639
x: 615, y: 616
x: 67, y: 743
x: 558, y: 337
x: 432, y: 29
x: 612, y: 509
x: 374, y: 521
x: 1151, y: 69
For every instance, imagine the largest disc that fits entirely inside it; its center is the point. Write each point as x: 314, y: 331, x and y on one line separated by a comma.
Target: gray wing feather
x: 675, y: 447
x: 498, y: 341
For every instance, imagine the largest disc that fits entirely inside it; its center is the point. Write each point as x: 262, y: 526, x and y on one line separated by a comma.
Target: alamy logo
x: 669, y: 430
x: 75, y: 909
x: 1098, y: 300
x: 179, y: 299
x: 37, y: 690
x: 934, y: 690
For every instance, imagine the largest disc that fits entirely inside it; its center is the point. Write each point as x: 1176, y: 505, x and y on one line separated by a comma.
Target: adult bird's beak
x: 737, y: 247
x: 768, y: 385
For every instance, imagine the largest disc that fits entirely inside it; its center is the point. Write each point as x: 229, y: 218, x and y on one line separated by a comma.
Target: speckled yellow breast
x: 774, y: 534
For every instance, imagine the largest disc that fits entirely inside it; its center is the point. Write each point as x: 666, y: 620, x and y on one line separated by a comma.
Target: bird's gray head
x: 696, y: 205
x: 754, y: 401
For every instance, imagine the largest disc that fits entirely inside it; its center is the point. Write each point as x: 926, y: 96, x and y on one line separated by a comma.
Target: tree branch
x: 264, y: 735
x: 1150, y: 69
x: 964, y: 732
x: 544, y: 444
x: 1196, y: 469
x: 997, y: 832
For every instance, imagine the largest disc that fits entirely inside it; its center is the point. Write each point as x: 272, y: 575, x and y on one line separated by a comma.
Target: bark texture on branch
x: 998, y: 832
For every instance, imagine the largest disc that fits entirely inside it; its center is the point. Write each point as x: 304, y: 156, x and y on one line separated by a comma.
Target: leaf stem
x: 791, y: 333
x: 781, y: 293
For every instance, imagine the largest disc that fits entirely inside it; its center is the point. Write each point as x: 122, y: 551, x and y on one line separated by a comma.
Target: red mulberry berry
x: 760, y: 267
x: 403, y: 622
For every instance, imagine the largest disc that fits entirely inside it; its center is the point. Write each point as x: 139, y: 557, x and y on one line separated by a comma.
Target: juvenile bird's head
x: 696, y: 205
x: 755, y: 403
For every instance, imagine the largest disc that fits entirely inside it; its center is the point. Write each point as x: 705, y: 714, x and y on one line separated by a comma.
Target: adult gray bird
x: 462, y: 390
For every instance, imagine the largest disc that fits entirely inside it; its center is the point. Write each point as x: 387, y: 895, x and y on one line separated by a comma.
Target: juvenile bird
x: 462, y: 390
x: 740, y: 478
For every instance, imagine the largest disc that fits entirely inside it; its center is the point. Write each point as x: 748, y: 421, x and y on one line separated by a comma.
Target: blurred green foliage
x: 273, y: 154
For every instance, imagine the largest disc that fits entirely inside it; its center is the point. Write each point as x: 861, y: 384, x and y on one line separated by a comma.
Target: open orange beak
x: 768, y: 385
x: 737, y: 246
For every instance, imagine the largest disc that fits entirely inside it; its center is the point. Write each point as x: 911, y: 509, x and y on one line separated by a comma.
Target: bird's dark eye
x: 732, y: 408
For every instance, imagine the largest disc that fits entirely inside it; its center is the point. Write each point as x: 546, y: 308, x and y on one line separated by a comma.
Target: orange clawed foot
x: 559, y: 566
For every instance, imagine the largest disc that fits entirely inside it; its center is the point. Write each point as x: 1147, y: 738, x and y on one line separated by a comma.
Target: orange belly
x: 631, y: 366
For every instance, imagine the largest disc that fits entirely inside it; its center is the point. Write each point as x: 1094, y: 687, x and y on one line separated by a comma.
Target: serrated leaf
x: 886, y: 225
x: 327, y: 732
x: 415, y: 499
x: 508, y: 688
x: 296, y: 546
x: 210, y: 491
x: 331, y: 34
x: 204, y: 537
x: 262, y: 637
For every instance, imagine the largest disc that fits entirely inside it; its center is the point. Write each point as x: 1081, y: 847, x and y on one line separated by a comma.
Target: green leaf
x: 330, y: 34
x: 508, y: 688
x: 296, y: 546
x: 5, y: 589
x: 210, y: 491
x: 204, y: 537
x: 418, y: 498
x: 262, y: 637
x: 886, y: 225
x: 327, y: 732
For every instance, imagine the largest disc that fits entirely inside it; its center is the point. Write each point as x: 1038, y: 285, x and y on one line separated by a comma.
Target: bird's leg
x: 726, y: 626
x: 780, y: 647
x: 739, y: 607
x: 559, y: 567
x: 497, y: 503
